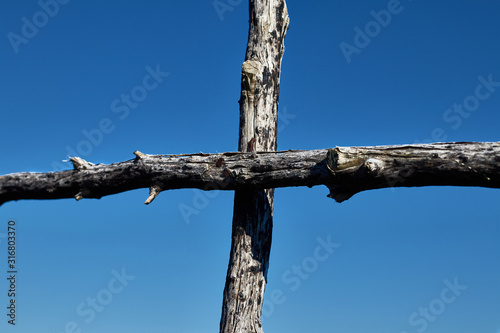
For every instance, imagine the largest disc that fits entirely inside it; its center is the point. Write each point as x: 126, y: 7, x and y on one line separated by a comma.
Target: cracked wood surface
x: 345, y: 170
x: 253, y: 209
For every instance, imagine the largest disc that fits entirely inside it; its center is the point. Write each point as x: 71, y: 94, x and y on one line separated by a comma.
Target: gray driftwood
x: 345, y: 170
x: 253, y: 207
x: 257, y: 169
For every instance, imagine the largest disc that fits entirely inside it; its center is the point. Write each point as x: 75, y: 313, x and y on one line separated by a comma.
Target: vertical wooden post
x: 253, y: 210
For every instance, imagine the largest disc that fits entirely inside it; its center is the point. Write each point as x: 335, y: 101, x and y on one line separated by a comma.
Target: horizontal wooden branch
x: 345, y: 170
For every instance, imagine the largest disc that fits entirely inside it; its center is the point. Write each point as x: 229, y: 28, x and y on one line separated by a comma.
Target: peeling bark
x: 345, y: 170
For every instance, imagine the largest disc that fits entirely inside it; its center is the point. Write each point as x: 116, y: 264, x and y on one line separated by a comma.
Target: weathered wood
x: 253, y: 209
x: 365, y: 168
x: 345, y: 170
x: 256, y: 170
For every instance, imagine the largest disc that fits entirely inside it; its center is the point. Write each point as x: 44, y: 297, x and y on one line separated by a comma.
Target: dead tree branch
x: 345, y: 170
x: 252, y: 226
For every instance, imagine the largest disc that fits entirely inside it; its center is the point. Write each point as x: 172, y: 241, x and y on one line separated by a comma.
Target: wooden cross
x: 257, y: 168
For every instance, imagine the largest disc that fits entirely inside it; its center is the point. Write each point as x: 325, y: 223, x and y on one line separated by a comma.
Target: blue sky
x: 405, y: 260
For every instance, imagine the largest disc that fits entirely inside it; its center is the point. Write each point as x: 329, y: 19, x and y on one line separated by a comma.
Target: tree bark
x: 345, y: 170
x: 253, y: 209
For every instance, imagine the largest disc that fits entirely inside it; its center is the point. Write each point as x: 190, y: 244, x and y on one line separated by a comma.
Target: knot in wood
x: 373, y: 166
x: 251, y: 68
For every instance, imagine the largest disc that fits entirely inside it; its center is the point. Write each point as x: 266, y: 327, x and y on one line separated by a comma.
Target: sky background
x: 398, y: 250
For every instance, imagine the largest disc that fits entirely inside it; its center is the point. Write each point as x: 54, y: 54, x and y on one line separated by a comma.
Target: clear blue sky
x: 354, y: 73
